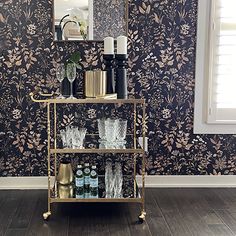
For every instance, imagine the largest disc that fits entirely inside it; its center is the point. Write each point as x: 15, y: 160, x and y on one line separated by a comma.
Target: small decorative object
x: 95, y: 83
x: 121, y: 71
x: 65, y: 173
x: 108, y: 57
x: 75, y: 22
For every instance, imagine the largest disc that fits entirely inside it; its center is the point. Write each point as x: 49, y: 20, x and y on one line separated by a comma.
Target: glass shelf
x: 88, y: 100
x: 95, y: 150
x: 131, y: 192
x: 93, y: 146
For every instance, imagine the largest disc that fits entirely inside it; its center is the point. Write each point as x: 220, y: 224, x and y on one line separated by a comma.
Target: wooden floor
x: 169, y: 212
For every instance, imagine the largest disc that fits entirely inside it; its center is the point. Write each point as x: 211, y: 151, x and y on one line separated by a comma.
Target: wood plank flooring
x: 170, y: 212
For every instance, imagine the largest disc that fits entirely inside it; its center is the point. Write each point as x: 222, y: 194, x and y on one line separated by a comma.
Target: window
x: 215, y: 94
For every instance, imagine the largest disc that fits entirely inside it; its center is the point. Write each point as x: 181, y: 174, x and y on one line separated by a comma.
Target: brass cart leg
x: 143, y: 212
x: 55, y: 147
x: 135, y: 146
x: 48, y: 213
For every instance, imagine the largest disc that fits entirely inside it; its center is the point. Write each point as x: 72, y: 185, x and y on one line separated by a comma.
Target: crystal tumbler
x: 101, y: 129
x: 111, y: 130
x: 121, y: 129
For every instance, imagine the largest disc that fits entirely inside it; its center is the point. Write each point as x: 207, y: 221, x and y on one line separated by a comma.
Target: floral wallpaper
x: 162, y: 39
x: 109, y: 18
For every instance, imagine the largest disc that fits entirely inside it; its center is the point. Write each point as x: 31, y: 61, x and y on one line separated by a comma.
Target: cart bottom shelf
x: 137, y: 200
x: 130, y: 192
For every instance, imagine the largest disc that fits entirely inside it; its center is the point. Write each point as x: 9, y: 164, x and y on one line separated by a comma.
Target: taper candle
x: 122, y: 45
x: 108, y: 46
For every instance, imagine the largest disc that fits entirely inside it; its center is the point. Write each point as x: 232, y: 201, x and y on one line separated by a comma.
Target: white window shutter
x: 222, y: 63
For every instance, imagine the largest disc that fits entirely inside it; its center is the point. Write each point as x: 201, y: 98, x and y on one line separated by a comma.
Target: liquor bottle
x: 79, y: 182
x: 94, y: 182
x: 86, y: 180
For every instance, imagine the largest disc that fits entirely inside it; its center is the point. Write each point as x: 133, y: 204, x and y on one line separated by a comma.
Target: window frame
x: 202, y: 123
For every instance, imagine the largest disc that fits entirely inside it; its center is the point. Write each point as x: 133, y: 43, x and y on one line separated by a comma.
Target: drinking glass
x: 78, y: 136
x: 118, y: 180
x: 121, y: 129
x: 75, y: 137
x: 110, y: 130
x: 71, y: 74
x: 69, y: 136
x: 101, y: 129
x: 82, y: 133
x: 60, y: 75
x: 64, y: 138
x: 109, y: 179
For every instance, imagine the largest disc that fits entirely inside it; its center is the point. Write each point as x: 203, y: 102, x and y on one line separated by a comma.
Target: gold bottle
x: 65, y: 173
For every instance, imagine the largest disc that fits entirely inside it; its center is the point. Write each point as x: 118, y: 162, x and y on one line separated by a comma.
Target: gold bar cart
x: 137, y: 150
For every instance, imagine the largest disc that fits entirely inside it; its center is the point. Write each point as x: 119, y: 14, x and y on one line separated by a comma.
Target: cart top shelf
x: 49, y: 99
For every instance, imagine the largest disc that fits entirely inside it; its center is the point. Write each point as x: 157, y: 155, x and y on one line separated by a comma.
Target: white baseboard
x: 189, y: 181
x: 153, y: 181
x: 28, y: 182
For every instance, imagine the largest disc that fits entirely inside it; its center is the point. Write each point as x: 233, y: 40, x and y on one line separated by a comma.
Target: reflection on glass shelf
x: 104, y: 144
x: 94, y: 143
x: 129, y: 189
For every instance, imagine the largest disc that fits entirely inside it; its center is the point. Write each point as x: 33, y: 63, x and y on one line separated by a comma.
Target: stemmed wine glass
x: 60, y: 75
x: 71, y: 74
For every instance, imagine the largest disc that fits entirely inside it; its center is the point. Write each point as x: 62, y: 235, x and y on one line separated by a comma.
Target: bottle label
x: 93, y: 182
x: 79, y: 195
x: 93, y: 192
x: 86, y: 180
x: 79, y: 182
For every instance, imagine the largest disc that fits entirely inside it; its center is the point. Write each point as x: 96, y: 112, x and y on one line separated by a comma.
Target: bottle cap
x: 94, y: 167
x: 86, y: 164
x: 79, y: 166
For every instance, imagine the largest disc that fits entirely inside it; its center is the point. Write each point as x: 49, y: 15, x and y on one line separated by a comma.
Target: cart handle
x: 32, y: 94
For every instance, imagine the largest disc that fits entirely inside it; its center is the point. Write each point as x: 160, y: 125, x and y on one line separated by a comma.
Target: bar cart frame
x: 135, y: 150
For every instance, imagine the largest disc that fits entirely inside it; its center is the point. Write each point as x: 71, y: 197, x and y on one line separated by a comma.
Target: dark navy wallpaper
x: 162, y: 38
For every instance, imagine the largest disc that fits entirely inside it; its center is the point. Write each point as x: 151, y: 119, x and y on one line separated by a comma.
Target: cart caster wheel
x: 46, y: 215
x: 141, y: 218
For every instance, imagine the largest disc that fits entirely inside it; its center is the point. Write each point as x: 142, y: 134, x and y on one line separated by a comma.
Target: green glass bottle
x: 79, y: 182
x: 86, y: 180
x: 94, y: 182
